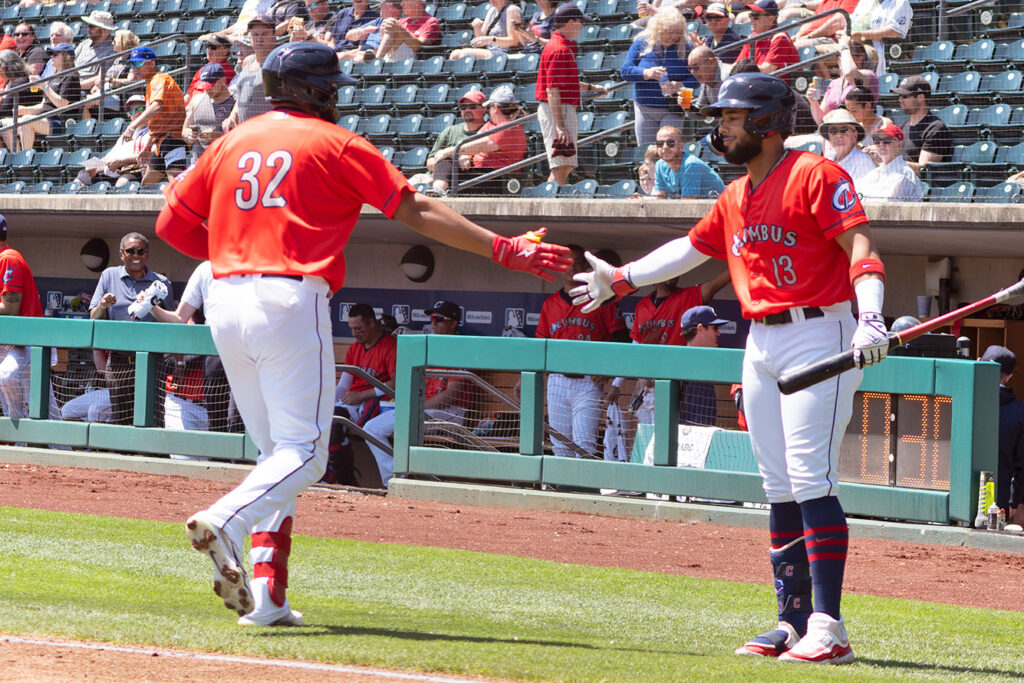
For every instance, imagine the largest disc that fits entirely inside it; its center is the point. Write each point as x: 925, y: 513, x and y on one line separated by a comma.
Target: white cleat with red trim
x: 825, y: 643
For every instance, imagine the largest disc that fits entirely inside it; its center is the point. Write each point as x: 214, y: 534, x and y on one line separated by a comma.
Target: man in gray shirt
x: 705, y: 68
x: 117, y: 289
x: 99, y: 44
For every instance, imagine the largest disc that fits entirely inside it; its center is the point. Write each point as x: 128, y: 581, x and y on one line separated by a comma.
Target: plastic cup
x: 685, y: 96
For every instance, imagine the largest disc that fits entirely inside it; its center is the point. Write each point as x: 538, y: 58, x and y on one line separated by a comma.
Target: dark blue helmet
x: 770, y: 104
x: 306, y: 75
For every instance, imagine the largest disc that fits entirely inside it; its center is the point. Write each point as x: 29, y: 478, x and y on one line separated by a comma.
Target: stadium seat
x: 216, y: 25
x: 346, y: 93
x: 603, y: 8
x: 544, y: 190
x: 53, y: 12
x: 1006, y: 83
x: 527, y: 95
x: 1009, y: 54
x: 194, y: 8
x: 73, y: 130
x: 590, y: 34
x: 166, y: 27
x: 456, y: 39
x: 371, y: 99
x: 459, y: 70
x: 1003, y: 193
x: 623, y: 188
x: 73, y: 161
x: 414, y: 160
x: 387, y: 151
x: 493, y: 65
x: 67, y: 188
x: 399, y: 70
x: 584, y: 189
x: 959, y: 85
x: 953, y: 115
x: 193, y: 26
x: 101, y: 187
x: 144, y: 28
x: 611, y: 120
x: 590, y: 62
x: 428, y: 70
x: 12, y: 188
x: 402, y: 99
x: 434, y: 125
x: 932, y: 53
x: 22, y: 165
x: 407, y: 129
x: 887, y: 82
x: 369, y: 69
x: 349, y: 122
x: 957, y: 192
x: 127, y: 188
x: 50, y: 165
x: 37, y: 188
x: 523, y: 67
x: 451, y: 13
x: 374, y: 125
x: 976, y: 52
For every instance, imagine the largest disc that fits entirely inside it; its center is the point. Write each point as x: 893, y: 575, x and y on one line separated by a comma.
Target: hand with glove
x: 528, y: 253
x: 147, y: 299
x: 600, y: 284
x: 871, y: 340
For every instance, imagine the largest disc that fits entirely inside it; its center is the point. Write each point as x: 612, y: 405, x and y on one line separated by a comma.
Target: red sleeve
x: 782, y: 52
x: 430, y: 32
x: 181, y: 222
x: 195, y: 79
x: 13, y: 274
x: 369, y: 177
x: 391, y: 359
x: 640, y: 314
x: 708, y: 236
x: 614, y: 320
x: 744, y: 52
x: 832, y: 200
x: 544, y: 324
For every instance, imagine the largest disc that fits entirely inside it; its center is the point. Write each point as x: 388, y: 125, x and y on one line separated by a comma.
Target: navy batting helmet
x: 306, y: 75
x: 770, y: 104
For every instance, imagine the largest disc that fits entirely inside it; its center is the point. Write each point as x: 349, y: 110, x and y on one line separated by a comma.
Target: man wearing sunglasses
x: 28, y: 49
x: 843, y: 133
x: 892, y: 179
x: 117, y: 289
x: 123, y: 163
x: 471, y: 106
x: 679, y: 173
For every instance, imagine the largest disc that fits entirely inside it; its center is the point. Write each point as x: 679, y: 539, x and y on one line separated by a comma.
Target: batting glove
x: 603, y: 282
x: 870, y: 341
x: 528, y: 253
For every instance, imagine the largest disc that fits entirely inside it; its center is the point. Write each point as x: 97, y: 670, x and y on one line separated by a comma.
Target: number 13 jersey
x: 281, y: 194
x: 779, y: 238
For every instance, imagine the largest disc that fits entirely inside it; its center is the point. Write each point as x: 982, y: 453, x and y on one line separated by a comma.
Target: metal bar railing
x: 784, y: 28
x: 454, y: 185
x: 102, y: 62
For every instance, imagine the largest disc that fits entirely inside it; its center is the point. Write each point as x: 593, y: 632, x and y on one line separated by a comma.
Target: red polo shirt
x: 557, y: 69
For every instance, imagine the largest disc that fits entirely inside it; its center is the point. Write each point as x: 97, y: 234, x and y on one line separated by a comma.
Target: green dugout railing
x: 928, y: 424
x: 146, y: 340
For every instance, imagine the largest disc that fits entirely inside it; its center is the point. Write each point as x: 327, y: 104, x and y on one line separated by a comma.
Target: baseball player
x: 799, y: 250
x: 18, y: 296
x: 575, y: 402
x: 272, y: 206
x: 376, y: 352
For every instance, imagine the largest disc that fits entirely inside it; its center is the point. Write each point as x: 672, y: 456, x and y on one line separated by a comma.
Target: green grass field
x: 428, y: 609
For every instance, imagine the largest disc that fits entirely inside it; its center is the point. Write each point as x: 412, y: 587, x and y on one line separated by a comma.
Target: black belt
x: 787, y: 316
x: 568, y: 376
x: 286, y: 277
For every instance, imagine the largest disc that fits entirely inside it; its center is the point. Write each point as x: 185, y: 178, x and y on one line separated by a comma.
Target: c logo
x: 843, y: 198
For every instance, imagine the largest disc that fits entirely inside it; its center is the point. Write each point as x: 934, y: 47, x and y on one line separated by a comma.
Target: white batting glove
x: 871, y: 340
x: 602, y: 283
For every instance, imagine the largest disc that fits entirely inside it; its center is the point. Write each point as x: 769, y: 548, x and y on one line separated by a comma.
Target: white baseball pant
x: 796, y: 438
x: 15, y: 371
x: 575, y: 406
x: 383, y: 427
x: 274, y: 337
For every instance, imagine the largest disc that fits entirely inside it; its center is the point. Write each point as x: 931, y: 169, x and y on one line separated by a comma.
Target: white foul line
x: 310, y: 666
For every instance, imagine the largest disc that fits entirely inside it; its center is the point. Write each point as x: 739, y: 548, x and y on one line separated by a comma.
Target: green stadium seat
x: 22, y: 165
x: 37, y: 188
x: 102, y: 187
x: 623, y: 188
x: 12, y: 188
x: 544, y: 190
x: 584, y: 189
x: 127, y: 188
x: 349, y: 122
x: 50, y: 164
x: 957, y: 192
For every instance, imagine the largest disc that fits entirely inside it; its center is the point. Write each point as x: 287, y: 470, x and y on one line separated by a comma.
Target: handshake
x: 147, y: 299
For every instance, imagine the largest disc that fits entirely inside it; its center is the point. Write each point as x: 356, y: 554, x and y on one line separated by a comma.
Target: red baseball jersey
x: 778, y: 50
x: 279, y: 195
x: 558, y: 69
x: 779, y: 239
x: 559, y: 319
x: 657, y: 322
x: 377, y: 360
x: 17, y: 277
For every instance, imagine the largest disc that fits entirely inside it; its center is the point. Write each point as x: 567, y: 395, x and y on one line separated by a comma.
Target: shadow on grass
x: 895, y: 663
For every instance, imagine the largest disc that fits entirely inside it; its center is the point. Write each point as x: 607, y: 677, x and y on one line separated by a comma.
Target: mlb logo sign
x: 343, y: 310
x: 515, y: 317
x: 402, y: 313
x: 54, y: 300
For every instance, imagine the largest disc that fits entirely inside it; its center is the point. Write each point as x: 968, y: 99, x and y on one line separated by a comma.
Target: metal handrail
x: 943, y: 14
x: 102, y: 63
x: 784, y: 28
x: 454, y: 186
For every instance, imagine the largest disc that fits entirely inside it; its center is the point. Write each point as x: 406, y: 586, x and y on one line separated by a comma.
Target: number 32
x: 247, y: 197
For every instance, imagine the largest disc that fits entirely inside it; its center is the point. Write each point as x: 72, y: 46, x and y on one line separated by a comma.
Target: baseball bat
x: 810, y: 375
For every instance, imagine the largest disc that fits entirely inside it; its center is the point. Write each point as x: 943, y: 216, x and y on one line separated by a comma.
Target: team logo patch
x: 843, y: 197
x: 8, y: 274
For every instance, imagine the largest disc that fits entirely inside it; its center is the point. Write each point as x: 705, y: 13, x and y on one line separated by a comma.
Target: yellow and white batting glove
x: 871, y: 339
x: 603, y: 282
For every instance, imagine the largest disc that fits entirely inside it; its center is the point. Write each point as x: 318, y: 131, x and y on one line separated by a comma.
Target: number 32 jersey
x: 779, y: 239
x: 281, y: 194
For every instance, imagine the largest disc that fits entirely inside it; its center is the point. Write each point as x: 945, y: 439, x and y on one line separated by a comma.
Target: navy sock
x: 790, y: 565
x: 827, y: 537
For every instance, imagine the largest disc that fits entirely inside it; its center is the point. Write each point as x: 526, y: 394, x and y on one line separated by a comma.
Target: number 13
x: 783, y: 268
x: 250, y: 162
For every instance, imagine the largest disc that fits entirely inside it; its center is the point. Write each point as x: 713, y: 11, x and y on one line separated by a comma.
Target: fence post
x: 531, y: 414
x: 145, y: 374
x: 666, y: 422
x: 39, y: 383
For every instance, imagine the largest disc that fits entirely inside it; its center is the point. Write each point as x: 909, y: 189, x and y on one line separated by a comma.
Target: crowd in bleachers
x: 417, y: 63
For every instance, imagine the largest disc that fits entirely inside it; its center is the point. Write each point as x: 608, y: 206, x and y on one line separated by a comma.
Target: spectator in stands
x: 117, y: 289
x: 100, y: 25
x: 646, y: 170
x: 701, y: 328
x: 30, y: 51
x: 247, y: 86
x: 656, y: 65
x: 542, y: 24
x: 368, y: 36
x: 375, y: 352
x: 843, y: 133
x: 59, y: 92
x: 679, y: 173
x: 853, y: 61
x: 403, y: 38
x: 164, y: 115
x: 926, y: 138
x: 6, y: 43
x: 494, y: 34
x: 861, y: 103
x: 1010, y: 473
x: 14, y: 73
x: 892, y: 179
x: 207, y: 110
x: 445, y: 398
x: 558, y: 91
x: 770, y: 54
x: 347, y: 19
x: 125, y: 161
x: 575, y: 403
x: 218, y: 51
x: 718, y: 20
x: 119, y: 73
x: 471, y: 106
x: 316, y: 27
x: 497, y: 150
x: 877, y: 20
x: 59, y: 33
x: 706, y: 68
x: 826, y: 30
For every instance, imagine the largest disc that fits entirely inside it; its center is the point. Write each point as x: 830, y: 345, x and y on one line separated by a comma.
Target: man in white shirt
x: 842, y: 132
x: 876, y: 20
x: 892, y: 179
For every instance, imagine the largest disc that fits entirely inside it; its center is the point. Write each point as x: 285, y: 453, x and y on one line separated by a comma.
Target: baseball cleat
x: 292, y: 618
x: 770, y: 643
x: 825, y: 643
x: 229, y: 579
